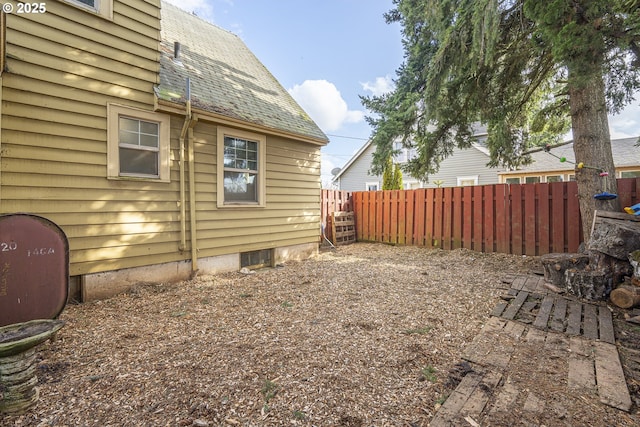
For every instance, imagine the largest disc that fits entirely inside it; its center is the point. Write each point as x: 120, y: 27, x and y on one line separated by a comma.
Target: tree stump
x: 555, y: 264
x: 593, y: 285
x: 626, y: 296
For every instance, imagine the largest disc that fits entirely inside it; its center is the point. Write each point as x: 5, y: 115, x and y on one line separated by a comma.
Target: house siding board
x: 357, y: 175
x: 63, y: 67
x: 290, y: 217
x: 467, y: 162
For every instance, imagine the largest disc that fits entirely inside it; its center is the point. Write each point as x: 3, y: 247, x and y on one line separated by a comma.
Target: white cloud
x: 627, y: 123
x: 324, y: 103
x: 380, y: 86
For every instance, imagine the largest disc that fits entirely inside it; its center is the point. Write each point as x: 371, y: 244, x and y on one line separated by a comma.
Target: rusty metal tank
x: 34, y: 269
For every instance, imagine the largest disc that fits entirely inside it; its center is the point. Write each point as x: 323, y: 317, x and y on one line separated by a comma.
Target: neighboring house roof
x: 625, y: 153
x: 226, y: 77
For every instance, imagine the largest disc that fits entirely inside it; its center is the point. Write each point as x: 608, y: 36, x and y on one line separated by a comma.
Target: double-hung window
x: 138, y: 144
x: 241, y: 177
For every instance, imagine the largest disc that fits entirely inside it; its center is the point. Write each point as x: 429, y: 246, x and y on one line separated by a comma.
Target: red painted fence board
x: 522, y: 219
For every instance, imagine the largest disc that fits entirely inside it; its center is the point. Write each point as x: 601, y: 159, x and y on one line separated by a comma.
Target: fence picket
x: 531, y: 219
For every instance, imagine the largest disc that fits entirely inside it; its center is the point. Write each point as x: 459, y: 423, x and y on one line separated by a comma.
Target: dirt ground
x: 365, y: 335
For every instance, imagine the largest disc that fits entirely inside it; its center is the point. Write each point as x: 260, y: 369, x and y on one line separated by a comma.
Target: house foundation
x: 97, y: 286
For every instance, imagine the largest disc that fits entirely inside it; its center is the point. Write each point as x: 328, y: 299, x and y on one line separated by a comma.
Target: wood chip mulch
x: 364, y: 335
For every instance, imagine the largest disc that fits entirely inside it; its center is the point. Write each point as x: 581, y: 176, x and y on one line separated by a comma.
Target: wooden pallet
x: 343, y: 228
x: 558, y: 314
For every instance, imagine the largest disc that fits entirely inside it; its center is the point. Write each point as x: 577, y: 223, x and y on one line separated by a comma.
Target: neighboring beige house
x: 97, y: 136
x: 547, y: 167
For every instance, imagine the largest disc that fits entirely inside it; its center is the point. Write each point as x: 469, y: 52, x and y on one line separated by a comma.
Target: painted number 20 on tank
x: 21, y: 8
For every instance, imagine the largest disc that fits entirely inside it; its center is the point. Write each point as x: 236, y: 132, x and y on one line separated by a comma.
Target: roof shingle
x: 226, y: 77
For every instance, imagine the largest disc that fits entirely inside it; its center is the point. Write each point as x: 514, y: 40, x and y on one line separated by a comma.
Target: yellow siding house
x: 157, y: 141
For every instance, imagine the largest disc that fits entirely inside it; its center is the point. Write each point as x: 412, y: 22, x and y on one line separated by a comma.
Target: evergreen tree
x: 391, y: 176
x: 523, y: 68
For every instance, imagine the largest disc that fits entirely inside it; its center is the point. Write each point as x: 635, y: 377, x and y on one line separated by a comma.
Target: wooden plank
x: 574, y: 318
x: 477, y: 219
x: 530, y: 219
x: 489, y: 217
x: 447, y: 217
x: 419, y: 217
x: 480, y: 394
x: 605, y: 322
x: 545, y: 311
x: 408, y: 212
x: 559, y: 313
x: 516, y: 219
x: 457, y: 218
x: 519, y: 282
x: 581, y: 373
x: 612, y: 386
x: 451, y: 408
x: 498, y: 309
x: 502, y: 220
x: 558, y: 215
x: 379, y: 216
x: 429, y: 221
x: 515, y: 305
x: 543, y: 219
x: 590, y: 326
x: 394, y: 207
x: 438, y: 217
x: 467, y: 217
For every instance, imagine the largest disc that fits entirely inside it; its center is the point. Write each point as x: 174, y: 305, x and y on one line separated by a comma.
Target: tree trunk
x: 591, y: 145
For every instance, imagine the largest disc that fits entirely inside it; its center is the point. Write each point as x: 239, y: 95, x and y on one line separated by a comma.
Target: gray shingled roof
x: 625, y: 153
x: 226, y: 77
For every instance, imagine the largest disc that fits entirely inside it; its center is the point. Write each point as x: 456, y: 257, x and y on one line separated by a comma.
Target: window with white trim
x: 372, y: 186
x: 138, y: 144
x: 103, y: 8
x: 241, y: 168
x: 464, y: 181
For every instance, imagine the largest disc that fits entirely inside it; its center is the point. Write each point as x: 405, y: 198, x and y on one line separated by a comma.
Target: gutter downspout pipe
x: 187, y: 132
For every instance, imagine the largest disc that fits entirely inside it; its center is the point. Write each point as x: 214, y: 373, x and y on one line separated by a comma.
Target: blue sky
x: 326, y: 53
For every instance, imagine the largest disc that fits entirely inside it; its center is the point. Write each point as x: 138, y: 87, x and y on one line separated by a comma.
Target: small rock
x: 200, y: 423
x: 245, y: 270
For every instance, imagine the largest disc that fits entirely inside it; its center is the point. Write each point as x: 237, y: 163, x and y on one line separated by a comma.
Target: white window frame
x: 371, y: 183
x: 461, y: 179
x: 114, y: 112
x: 103, y: 8
x: 223, y: 132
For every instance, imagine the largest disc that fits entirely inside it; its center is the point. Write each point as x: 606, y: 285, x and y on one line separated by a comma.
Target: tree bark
x: 591, y: 145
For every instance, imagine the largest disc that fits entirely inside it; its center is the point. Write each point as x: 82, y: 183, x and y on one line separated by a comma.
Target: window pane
x: 149, y: 128
x: 554, y: 178
x: 139, y: 162
x: 513, y: 181
x: 629, y: 174
x: 127, y: 137
x: 129, y: 124
x: 149, y: 140
x: 240, y: 187
x: 532, y: 179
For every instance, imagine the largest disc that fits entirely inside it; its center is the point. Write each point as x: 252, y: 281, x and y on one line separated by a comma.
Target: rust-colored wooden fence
x: 523, y: 219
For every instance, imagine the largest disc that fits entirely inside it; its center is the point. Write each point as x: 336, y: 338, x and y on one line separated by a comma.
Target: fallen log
x: 625, y: 296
